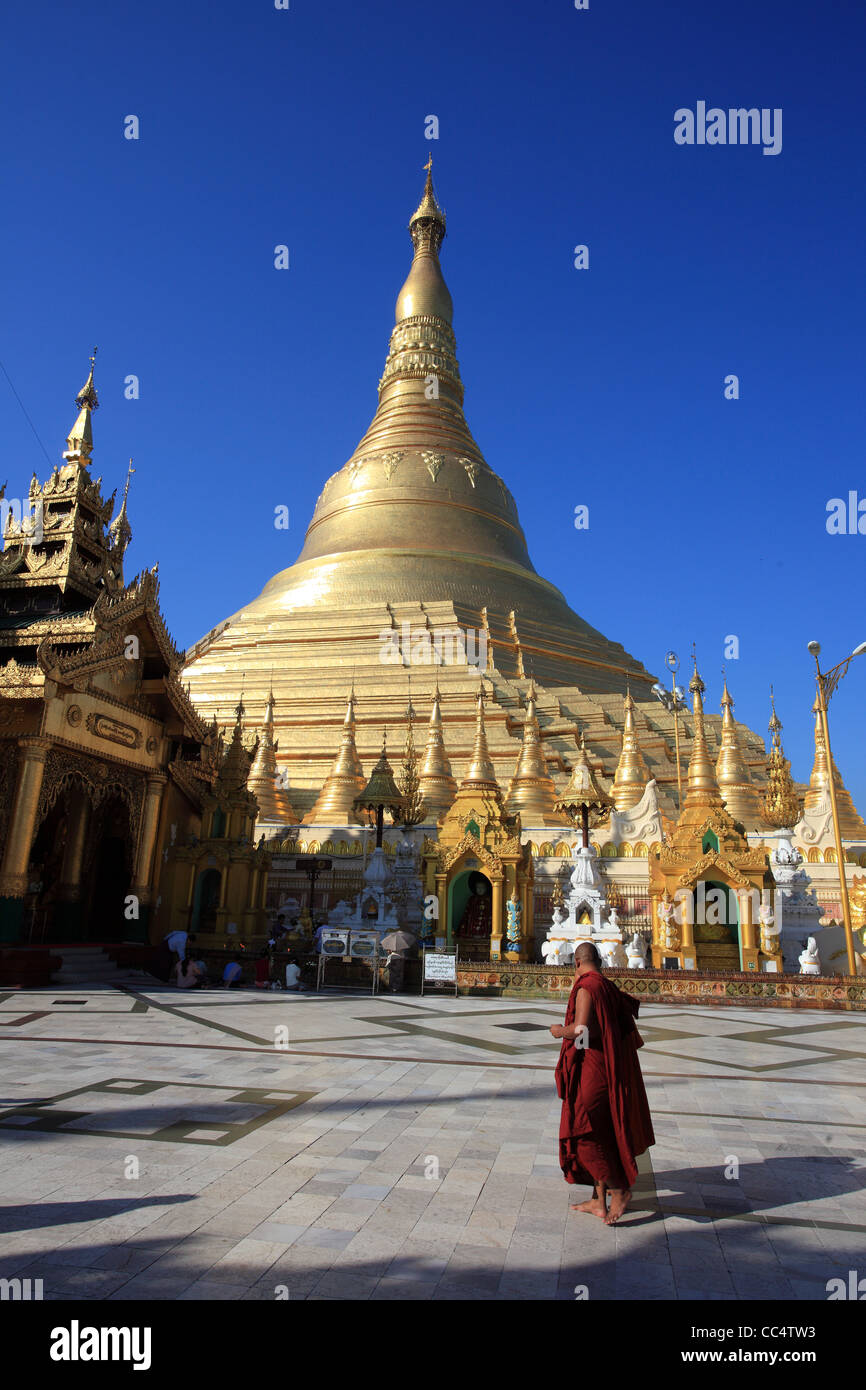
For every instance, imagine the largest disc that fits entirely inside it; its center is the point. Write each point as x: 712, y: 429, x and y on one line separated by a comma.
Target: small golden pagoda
x: 632, y: 773
x: 706, y: 883
x: 437, y: 785
x: 738, y: 792
x: 275, y: 809
x: 781, y: 805
x: 532, y: 791
x: 335, y: 804
x: 479, y: 853
x: 850, y: 821
x: 216, y: 884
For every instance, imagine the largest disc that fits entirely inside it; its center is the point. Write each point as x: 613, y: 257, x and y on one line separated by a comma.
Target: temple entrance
x: 206, y: 901
x: 110, y: 875
x: 42, y: 904
x: 716, y: 926
x: 470, y: 913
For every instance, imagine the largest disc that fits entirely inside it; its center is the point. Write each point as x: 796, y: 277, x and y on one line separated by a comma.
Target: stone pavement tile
x: 301, y: 1209
x: 414, y: 1265
x: 528, y: 1285
x: 366, y: 1190
x: 246, y: 1261
x: 404, y: 1290
x: 338, y: 1285
x: 147, y: 1286
x: 324, y: 1239
x: 208, y: 1290
x: 772, y: 1285
x: 68, y: 1282
x: 449, y: 1291
x: 281, y: 1232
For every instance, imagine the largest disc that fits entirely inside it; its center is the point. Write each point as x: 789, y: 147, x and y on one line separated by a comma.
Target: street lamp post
x: 827, y: 683
x: 673, y: 700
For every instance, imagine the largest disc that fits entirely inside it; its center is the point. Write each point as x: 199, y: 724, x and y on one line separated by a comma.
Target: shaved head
x: 586, y: 954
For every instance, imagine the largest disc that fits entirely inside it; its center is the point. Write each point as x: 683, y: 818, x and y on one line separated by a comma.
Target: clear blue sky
x: 603, y: 387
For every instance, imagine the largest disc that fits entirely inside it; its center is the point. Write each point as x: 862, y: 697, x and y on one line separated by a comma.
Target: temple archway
x: 206, y: 901
x: 110, y: 916
x: 462, y: 889
x: 716, y: 917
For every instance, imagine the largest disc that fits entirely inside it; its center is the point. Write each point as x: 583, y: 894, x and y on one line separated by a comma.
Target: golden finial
x: 429, y: 165
x: 775, y: 725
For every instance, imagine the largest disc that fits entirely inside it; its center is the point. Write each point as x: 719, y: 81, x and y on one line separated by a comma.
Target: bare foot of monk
x: 618, y: 1203
x: 596, y: 1206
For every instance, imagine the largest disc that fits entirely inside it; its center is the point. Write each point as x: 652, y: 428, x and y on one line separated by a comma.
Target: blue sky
x: 602, y: 387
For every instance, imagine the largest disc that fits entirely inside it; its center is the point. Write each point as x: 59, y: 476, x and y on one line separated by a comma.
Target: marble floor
x: 244, y: 1145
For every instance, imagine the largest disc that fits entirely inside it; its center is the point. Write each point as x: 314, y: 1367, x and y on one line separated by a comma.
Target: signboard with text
x: 439, y: 969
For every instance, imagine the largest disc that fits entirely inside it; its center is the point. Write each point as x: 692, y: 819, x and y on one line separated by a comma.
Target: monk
x: 605, y: 1115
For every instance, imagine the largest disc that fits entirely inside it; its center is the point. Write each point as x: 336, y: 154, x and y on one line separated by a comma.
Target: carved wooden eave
x: 105, y: 652
x: 703, y: 866
x: 140, y: 599
x: 21, y: 682
x: 469, y: 845
x: 193, y: 787
x: 194, y: 725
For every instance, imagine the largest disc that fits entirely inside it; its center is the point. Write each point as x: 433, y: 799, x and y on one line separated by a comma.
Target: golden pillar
x: 142, y: 885
x: 190, y: 892
x: 687, y: 929
x: 496, y: 922
x: 443, y: 926
x: 73, y: 856
x: 31, y: 769
x: 748, y: 943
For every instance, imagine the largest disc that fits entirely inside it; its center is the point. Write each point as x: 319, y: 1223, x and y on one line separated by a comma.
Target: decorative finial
x: 775, y: 725
x: 429, y: 165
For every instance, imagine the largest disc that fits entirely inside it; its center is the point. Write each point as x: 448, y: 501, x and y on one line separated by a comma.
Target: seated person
x: 293, y: 975
x: 200, y: 969
x: 232, y: 973
x: 185, y: 975
x: 263, y: 971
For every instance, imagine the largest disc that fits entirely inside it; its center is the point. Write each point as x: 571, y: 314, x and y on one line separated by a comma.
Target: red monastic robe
x: 605, y: 1114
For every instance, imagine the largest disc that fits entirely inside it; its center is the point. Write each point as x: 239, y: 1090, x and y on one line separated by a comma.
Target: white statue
x: 667, y: 921
x: 613, y: 955
x: 810, y: 963
x: 769, y: 931
x: 636, y: 953
x: 556, y: 952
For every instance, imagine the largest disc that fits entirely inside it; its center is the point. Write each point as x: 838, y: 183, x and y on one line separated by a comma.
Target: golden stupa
x: 415, y: 559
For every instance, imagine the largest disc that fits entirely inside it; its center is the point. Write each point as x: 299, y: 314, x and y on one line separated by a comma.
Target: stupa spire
x: 532, y: 790
x: 735, y: 783
x: 702, y: 790
x: 781, y: 804
x: 481, y: 770
x: 437, y: 785
x: 120, y: 531
x: 274, y: 805
x: 344, y: 783
x: 850, y: 821
x: 79, y: 441
x: 632, y: 773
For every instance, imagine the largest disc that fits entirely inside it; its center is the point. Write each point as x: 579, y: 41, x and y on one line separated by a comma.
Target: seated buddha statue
x: 478, y: 917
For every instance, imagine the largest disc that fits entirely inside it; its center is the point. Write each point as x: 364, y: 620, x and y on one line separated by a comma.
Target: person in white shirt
x: 293, y: 975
